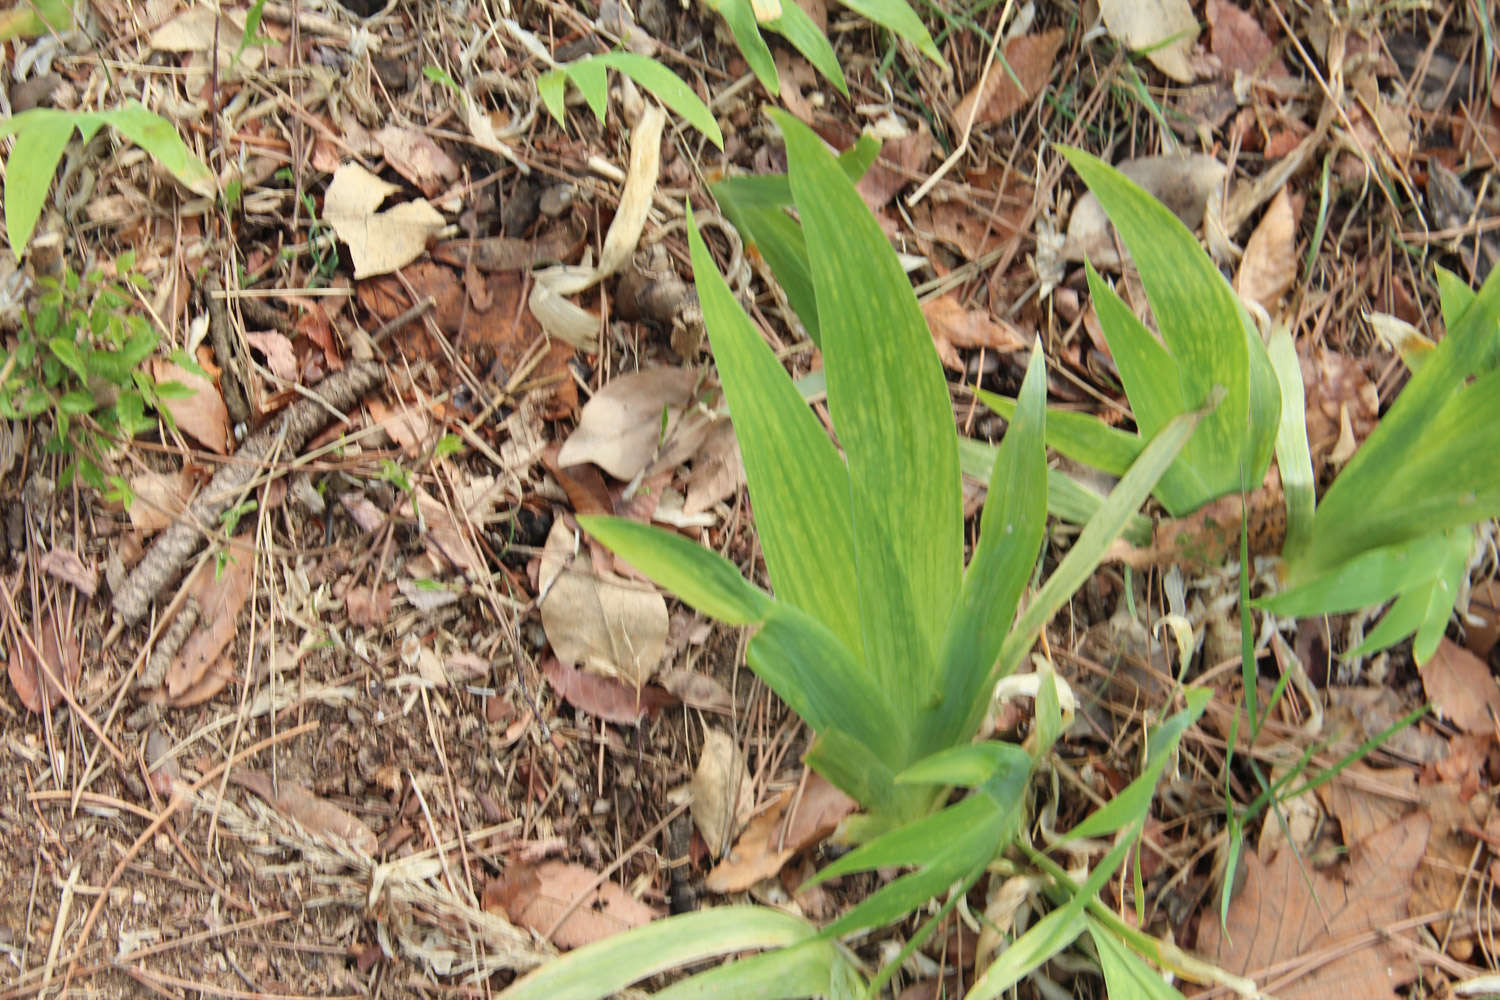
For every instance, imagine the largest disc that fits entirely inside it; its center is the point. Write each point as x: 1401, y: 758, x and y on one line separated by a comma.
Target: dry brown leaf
x: 1365, y: 800
x: 722, y: 794
x: 1342, y: 403
x: 535, y: 897
x: 1484, y: 618
x: 1440, y: 882
x: 1285, y: 910
x: 201, y: 415
x: 606, y: 698
x: 220, y: 600
x: 446, y: 534
x: 622, y: 428
x: 792, y: 823
x: 1182, y: 183
x: 66, y: 566
x: 1270, y: 263
x: 280, y: 356
x: 59, y: 651
x: 900, y: 160
x: 1030, y: 58
x: 408, y: 426
x: 1461, y: 688
x: 1240, y: 43
x: 697, y: 690
x: 308, y: 810
x: 370, y: 606
x: 953, y: 327
x: 379, y: 242
x: 193, y: 31
x: 417, y: 158
x: 1161, y: 30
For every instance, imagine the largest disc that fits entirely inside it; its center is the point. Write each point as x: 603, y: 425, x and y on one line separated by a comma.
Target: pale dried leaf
x: 1285, y: 910
x: 1162, y: 30
x: 718, y: 470
x: 159, y: 498
x: 308, y: 810
x: 798, y: 819
x: 697, y: 690
x: 379, y: 242
x: 622, y: 428
x: 1270, y: 263
x: 596, y: 620
x: 201, y: 415
x: 447, y: 537
x: 722, y: 794
x: 66, y: 566
x: 280, y: 357
x: 408, y: 426
x: 193, y: 31
x: 1461, y: 688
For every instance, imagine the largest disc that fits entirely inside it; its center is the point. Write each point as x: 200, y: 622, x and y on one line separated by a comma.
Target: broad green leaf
x: 1293, y: 459
x: 1126, y: 974
x: 552, y: 88
x: 1416, y: 473
x: 855, y: 768
x: 897, y: 17
x: 67, y: 352
x: 969, y: 766
x: 76, y: 402
x: 39, y: 146
x: 797, y: 28
x: 799, y: 488
x: 1133, y: 802
x: 159, y: 137
x: 904, y: 482
x: 757, y: 207
x: 592, y: 81
x: 1089, y: 548
x: 668, y: 88
x: 1211, y: 342
x: 801, y: 970
x: 1424, y: 608
x: 34, y: 18
x: 1010, y: 537
x: 605, y: 967
x: 1147, y: 370
x: 740, y: 17
x: 1366, y: 579
x: 822, y: 681
x: 704, y: 579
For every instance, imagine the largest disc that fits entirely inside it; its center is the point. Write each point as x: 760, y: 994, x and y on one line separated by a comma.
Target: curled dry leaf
x: 280, y: 357
x: 408, y: 426
x: 308, y: 810
x: 953, y: 327
x: 380, y: 242
x: 536, y: 897
x: 700, y: 691
x: 201, y: 415
x: 1030, y: 58
x: 59, y: 652
x: 626, y: 423
x: 722, y: 795
x: 597, y: 620
x: 718, y: 470
x: 1183, y: 183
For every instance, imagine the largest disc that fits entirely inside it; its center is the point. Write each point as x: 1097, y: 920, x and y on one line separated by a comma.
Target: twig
x: 297, y: 425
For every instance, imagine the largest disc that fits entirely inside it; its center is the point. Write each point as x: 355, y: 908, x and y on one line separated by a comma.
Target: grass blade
x: 668, y: 88
x: 40, y: 141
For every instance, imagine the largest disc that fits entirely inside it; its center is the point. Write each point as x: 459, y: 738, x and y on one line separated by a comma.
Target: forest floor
x: 345, y: 749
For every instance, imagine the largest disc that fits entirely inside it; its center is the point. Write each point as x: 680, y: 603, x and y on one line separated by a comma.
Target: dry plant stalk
x: 338, y: 392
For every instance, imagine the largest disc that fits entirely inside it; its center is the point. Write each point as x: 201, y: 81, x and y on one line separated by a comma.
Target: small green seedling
x: 43, y: 133
x: 78, y: 357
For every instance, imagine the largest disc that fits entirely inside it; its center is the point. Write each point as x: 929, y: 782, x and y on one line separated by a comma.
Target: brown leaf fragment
x: 1030, y: 58
x: 220, y: 596
x: 313, y: 813
x: 622, y: 428
x: 536, y: 897
x: 1461, y: 688
x: 954, y: 326
x: 36, y: 680
x: 607, y: 698
x: 1365, y: 800
x: 1342, y: 404
x: 281, y: 358
x: 1270, y: 263
x: 792, y: 823
x: 1484, y: 618
x: 159, y: 497
x: 370, y: 606
x: 1240, y: 43
x: 697, y: 690
x: 66, y: 566
x: 901, y: 160
x: 1285, y: 910
x: 201, y: 415
x: 718, y: 470
x: 417, y: 158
